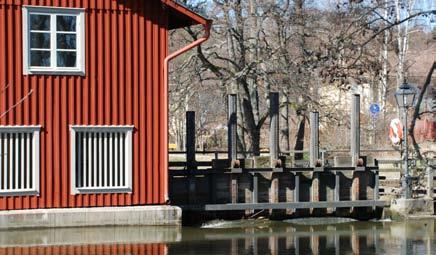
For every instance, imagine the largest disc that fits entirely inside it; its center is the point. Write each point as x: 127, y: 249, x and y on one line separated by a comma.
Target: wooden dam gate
x: 276, y: 185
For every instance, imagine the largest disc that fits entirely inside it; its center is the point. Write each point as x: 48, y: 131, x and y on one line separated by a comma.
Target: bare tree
x: 296, y: 47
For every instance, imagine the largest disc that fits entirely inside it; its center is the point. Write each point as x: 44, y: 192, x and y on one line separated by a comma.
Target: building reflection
x: 91, y: 249
x: 91, y: 240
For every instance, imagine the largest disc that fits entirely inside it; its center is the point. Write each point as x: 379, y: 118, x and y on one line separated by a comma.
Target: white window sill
x: 124, y: 190
x: 53, y: 72
x: 19, y: 193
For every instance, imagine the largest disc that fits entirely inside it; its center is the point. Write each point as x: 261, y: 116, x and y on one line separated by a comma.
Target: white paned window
x: 101, y: 159
x: 19, y: 160
x: 53, y: 40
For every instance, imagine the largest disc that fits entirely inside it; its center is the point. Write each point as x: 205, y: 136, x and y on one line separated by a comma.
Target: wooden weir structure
x: 276, y: 185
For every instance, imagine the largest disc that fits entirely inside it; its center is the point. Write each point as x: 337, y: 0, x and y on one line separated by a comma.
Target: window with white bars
x: 101, y: 159
x: 19, y: 160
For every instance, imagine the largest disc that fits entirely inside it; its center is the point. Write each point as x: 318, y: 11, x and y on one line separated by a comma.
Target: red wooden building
x: 83, y: 101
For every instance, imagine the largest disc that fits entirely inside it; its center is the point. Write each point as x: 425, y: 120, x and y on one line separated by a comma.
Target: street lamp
x: 405, y: 97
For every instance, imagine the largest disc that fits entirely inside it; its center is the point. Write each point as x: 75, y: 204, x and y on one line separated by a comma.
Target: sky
x: 429, y: 23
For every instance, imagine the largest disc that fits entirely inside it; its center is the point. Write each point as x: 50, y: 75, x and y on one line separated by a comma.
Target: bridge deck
x: 285, y: 205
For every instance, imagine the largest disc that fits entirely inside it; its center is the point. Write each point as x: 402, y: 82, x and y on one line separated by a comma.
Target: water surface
x: 302, y: 236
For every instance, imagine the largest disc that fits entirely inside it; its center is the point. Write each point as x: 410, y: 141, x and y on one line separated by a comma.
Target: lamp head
x: 405, y: 96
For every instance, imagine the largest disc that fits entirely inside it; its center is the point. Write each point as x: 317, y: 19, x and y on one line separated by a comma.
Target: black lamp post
x: 405, y: 96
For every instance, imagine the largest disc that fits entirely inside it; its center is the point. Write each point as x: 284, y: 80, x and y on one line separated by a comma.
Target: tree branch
x: 395, y: 24
x: 15, y: 105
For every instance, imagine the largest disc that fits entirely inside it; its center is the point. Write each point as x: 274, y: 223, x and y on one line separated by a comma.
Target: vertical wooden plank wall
x: 126, y: 43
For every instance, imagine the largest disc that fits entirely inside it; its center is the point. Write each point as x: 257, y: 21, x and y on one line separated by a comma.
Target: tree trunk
x: 402, y: 40
x: 253, y: 130
x: 299, y: 141
x: 255, y: 141
x: 416, y: 112
x: 300, y: 25
x: 240, y: 130
x: 383, y: 86
x: 285, y: 120
x: 180, y: 134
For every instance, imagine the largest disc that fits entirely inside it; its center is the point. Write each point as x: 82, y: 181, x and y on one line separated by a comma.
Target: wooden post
x: 234, y: 188
x: 314, y: 154
x: 355, y: 186
x: 337, y: 196
x: 314, y: 138
x: 315, y: 190
x: 255, y: 188
x: 190, y: 155
x: 355, y: 146
x: 376, y: 185
x: 274, y: 146
x: 232, y: 145
x: 430, y: 182
x: 212, y: 188
x: 375, y: 192
x: 274, y: 189
x: 297, y: 187
x: 190, y: 139
x: 355, y: 129
x: 232, y: 131
x: 274, y: 128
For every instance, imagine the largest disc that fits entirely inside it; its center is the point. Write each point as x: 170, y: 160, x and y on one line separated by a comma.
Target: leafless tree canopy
x: 313, y: 52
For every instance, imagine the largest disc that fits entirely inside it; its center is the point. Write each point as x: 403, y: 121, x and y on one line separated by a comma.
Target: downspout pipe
x: 207, y: 27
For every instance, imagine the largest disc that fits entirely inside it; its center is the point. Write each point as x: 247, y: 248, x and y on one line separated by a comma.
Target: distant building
x: 425, y: 129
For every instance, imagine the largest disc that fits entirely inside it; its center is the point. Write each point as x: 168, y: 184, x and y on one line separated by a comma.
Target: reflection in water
x: 94, y: 249
x: 91, y: 235
x: 241, y: 237
x: 330, y: 239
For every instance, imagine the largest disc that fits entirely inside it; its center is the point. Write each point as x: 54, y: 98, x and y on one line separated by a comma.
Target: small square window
x: 53, y: 40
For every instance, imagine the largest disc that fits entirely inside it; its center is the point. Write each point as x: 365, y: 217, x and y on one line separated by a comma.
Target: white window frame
x: 80, y: 41
x: 35, y: 158
x: 128, y: 158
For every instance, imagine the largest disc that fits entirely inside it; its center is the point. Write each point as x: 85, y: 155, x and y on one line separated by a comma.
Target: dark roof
x: 181, y: 15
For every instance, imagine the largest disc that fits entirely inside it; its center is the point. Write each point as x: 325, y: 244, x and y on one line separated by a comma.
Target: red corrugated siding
x: 125, y: 49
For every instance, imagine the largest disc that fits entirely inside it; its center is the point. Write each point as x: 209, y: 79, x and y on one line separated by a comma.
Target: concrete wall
x: 98, y: 216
